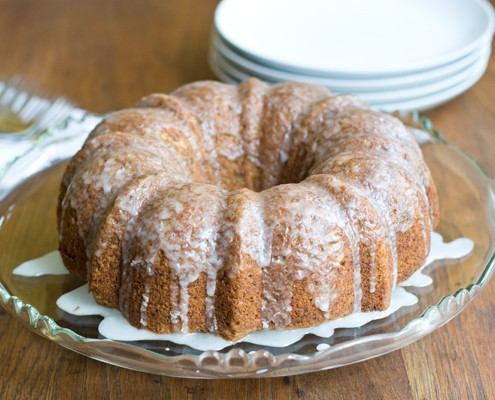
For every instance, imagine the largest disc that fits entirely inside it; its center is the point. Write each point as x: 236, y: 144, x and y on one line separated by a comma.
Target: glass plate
x: 27, y: 231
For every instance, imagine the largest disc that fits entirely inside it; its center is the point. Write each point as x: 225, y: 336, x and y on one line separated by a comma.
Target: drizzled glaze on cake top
x: 229, y: 209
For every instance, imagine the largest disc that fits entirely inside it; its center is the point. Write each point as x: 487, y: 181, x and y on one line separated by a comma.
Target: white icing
x: 114, y: 326
x: 189, y: 251
x: 372, y: 272
x: 210, y: 147
x: 358, y: 142
x: 252, y: 106
x: 252, y: 233
x: 80, y: 303
x: 317, y: 248
x: 418, y: 280
x: 207, y: 102
x: 455, y: 249
x: 349, y: 215
x: 49, y: 264
x: 232, y: 152
x: 107, y: 173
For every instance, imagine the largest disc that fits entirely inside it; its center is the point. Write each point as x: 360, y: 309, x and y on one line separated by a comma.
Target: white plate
x: 346, y: 85
x: 420, y: 103
x: 355, y: 37
x: 220, y: 73
x: 373, y: 97
x: 428, y: 102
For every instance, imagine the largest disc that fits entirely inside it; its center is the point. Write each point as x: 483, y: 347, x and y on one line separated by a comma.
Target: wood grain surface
x: 105, y: 54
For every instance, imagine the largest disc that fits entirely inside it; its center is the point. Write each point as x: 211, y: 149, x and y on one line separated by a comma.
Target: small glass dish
x: 28, y: 230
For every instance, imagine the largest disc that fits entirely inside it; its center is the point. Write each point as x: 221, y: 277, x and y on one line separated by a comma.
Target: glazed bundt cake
x: 230, y: 209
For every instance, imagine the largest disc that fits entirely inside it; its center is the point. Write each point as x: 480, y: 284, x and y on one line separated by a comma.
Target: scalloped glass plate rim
x: 244, y: 364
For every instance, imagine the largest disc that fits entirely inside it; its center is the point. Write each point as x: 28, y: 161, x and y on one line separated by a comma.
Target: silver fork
x: 25, y: 111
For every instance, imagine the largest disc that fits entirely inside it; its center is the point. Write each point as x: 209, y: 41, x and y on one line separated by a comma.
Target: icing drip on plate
x: 114, y: 326
x: 49, y: 264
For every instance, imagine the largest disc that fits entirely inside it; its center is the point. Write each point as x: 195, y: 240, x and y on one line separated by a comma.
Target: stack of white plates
x: 396, y: 54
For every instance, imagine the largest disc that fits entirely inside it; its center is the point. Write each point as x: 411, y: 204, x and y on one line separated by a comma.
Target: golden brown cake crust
x: 229, y: 209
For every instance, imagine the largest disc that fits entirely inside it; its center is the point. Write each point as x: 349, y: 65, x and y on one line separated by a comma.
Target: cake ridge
x: 254, y: 93
x: 197, y: 97
x: 350, y: 232
x: 187, y: 252
x: 105, y: 265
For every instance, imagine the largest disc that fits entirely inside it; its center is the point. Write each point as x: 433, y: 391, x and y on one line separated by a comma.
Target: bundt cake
x: 229, y: 209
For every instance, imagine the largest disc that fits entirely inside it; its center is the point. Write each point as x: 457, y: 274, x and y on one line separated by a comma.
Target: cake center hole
x: 271, y: 170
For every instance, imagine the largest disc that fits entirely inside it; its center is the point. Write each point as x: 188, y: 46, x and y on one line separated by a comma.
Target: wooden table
x: 105, y: 54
